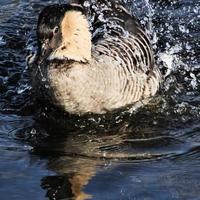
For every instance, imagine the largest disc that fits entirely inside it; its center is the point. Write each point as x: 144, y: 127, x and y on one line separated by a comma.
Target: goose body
x: 97, y: 67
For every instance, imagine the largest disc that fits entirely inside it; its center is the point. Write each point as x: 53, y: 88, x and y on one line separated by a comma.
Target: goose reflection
x: 78, y: 156
x: 73, y: 176
x: 76, y: 159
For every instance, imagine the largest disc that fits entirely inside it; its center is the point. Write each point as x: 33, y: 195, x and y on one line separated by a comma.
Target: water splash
x: 2, y: 41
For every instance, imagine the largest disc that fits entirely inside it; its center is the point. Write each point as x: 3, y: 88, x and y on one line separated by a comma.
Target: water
x: 151, y: 153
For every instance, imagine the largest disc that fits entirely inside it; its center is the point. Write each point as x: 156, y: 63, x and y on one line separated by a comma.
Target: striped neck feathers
x: 76, y: 38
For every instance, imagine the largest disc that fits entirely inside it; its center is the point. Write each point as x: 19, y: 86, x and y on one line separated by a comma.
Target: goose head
x: 63, y: 33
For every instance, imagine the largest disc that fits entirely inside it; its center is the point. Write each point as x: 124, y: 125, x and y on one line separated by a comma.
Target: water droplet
x: 183, y: 29
x: 44, y: 79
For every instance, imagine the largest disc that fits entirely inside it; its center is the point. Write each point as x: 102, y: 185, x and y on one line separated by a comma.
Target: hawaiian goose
x: 92, y: 58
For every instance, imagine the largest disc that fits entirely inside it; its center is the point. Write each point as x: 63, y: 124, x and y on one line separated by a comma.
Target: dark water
x: 152, y: 153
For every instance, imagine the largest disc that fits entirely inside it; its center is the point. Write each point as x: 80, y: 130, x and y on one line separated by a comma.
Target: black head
x: 48, y: 28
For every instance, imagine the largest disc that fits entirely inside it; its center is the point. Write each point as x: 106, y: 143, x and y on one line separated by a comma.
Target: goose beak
x: 46, y: 49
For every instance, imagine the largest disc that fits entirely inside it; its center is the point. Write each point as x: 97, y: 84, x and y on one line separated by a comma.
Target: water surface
x: 152, y: 153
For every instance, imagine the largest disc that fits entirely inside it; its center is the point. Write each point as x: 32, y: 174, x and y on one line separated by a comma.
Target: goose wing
x: 116, y: 33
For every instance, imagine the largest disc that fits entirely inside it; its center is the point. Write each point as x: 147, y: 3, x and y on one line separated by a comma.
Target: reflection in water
x: 77, y: 156
x: 68, y: 160
x: 75, y: 176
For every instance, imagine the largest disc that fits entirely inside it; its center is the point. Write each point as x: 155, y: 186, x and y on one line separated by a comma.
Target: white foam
x: 193, y: 81
x: 168, y: 59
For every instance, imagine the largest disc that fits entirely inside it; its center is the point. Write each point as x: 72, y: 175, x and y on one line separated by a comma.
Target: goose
x: 92, y: 58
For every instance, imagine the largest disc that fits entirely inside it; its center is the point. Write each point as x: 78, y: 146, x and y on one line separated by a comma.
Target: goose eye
x: 55, y: 30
